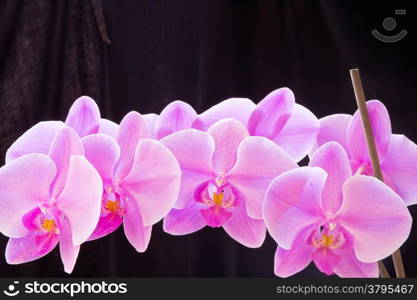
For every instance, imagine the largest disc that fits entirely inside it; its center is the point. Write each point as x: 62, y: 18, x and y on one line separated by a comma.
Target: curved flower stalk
x: 397, y: 154
x: 225, y: 173
x: 277, y: 117
x: 83, y: 117
x: 49, y: 199
x: 141, y: 180
x: 343, y: 223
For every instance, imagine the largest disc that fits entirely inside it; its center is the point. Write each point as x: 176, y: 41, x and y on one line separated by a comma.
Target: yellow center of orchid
x: 327, y: 240
x: 49, y: 225
x: 112, y: 206
x: 218, y: 199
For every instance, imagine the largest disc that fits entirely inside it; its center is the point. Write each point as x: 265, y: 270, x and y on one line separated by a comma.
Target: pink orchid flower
x: 141, y: 180
x: 179, y: 115
x: 49, y: 199
x: 397, y: 154
x: 225, y: 173
x: 343, y: 223
x: 83, y: 117
x: 176, y: 116
x: 291, y: 126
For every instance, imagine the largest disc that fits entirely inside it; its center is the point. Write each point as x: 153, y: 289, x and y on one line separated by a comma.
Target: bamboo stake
x: 383, y: 272
x: 398, y: 264
x: 370, y: 141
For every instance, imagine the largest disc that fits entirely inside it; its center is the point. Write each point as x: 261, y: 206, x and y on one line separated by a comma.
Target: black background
x: 201, y: 52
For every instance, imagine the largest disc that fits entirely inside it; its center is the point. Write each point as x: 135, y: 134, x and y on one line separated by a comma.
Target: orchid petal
x: 80, y: 199
x: 138, y: 235
x: 259, y: 161
x: 35, y: 140
x: 68, y: 251
x: 272, y: 113
x: 332, y: 158
x: 292, y: 203
x: 236, y: 108
x: 186, y: 220
x: 32, y: 246
x: 65, y: 144
x: 176, y: 116
x: 154, y: 181
x: 297, y: 258
x: 132, y: 128
x: 227, y: 135
x: 400, y: 166
x: 24, y: 185
x: 150, y: 120
x: 84, y: 116
x: 299, y: 134
x: 215, y: 216
x: 350, y: 267
x: 108, y: 127
x: 374, y: 215
x: 244, y: 229
x: 381, y: 128
x: 325, y: 260
x: 31, y: 220
x: 196, y: 169
x: 106, y: 225
x: 333, y: 128
x: 103, y: 153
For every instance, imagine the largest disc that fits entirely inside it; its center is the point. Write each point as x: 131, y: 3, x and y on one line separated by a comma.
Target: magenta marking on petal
x: 329, y: 244
x: 31, y: 219
x: 325, y: 260
x: 218, y: 196
x: 113, y: 208
x: 106, y: 225
x: 328, y: 236
x: 42, y: 221
x: 215, y: 216
x: 113, y: 202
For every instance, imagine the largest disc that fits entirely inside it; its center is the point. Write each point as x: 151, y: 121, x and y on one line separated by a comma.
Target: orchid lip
x: 43, y: 219
x: 218, y: 196
x: 48, y: 225
x: 328, y: 236
x: 113, y: 202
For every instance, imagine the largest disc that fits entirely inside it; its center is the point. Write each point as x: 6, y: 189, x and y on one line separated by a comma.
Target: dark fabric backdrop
x: 201, y: 52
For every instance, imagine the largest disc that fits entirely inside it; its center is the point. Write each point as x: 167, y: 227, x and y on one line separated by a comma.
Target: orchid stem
x: 398, y: 264
x: 376, y: 167
x: 383, y: 272
x: 370, y: 141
